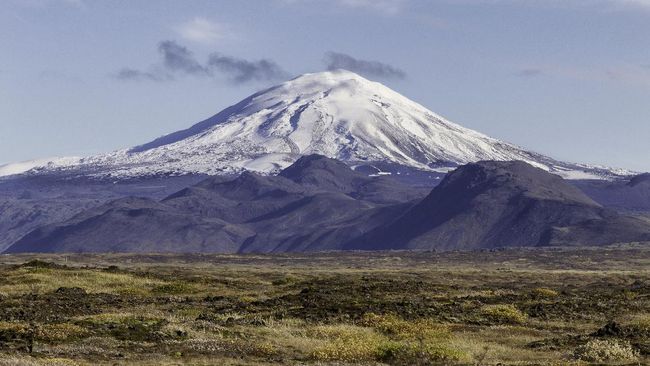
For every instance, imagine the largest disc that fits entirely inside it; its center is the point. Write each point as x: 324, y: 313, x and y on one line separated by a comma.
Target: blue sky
x: 567, y: 78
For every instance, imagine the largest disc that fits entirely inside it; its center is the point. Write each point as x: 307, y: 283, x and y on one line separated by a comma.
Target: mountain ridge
x: 492, y: 204
x: 480, y: 205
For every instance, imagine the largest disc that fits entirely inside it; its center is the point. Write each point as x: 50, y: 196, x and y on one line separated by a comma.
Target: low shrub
x: 543, y: 292
x: 396, y: 327
x: 642, y: 324
x: 60, y: 332
x: 28, y: 361
x: 387, y: 338
x: 126, y: 327
x: 504, y: 314
x: 347, y: 343
x: 417, y: 353
x: 173, y: 288
x: 608, y: 350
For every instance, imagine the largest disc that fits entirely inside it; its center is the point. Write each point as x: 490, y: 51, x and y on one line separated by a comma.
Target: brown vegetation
x: 510, y: 307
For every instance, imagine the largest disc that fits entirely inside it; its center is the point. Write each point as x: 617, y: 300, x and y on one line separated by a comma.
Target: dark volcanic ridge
x: 631, y: 195
x: 321, y: 204
x: 503, y: 204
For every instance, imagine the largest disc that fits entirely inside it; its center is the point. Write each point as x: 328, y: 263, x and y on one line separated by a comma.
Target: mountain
x: 337, y: 114
x: 319, y: 203
x: 294, y: 210
x: 31, y: 201
x: 501, y: 204
x: 134, y: 225
x: 628, y: 195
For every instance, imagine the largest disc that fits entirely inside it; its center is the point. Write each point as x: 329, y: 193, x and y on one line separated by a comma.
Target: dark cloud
x: 530, y: 73
x: 241, y: 71
x: 335, y: 60
x: 177, y: 59
x: 137, y: 75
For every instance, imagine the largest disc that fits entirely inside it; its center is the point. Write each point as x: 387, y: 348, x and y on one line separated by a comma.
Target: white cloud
x: 389, y: 7
x: 395, y: 6
x: 36, y: 4
x: 383, y: 6
x: 593, y: 3
x: 74, y: 2
x: 644, y: 3
x: 201, y: 30
x: 613, y: 4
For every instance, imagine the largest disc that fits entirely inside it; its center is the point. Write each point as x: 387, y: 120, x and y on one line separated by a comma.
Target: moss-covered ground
x: 508, y: 307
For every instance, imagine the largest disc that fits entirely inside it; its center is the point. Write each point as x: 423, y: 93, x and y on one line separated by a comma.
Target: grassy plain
x: 508, y: 307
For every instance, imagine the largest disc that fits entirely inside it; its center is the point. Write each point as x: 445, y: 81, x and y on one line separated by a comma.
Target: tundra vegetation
x: 509, y: 307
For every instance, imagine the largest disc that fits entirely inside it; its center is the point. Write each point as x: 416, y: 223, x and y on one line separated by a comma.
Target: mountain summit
x: 338, y: 114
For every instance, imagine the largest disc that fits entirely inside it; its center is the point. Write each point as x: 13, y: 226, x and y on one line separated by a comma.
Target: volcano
x: 337, y: 114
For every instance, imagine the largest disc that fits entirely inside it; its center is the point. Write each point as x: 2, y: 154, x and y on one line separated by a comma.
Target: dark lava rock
x: 70, y: 291
x: 611, y: 329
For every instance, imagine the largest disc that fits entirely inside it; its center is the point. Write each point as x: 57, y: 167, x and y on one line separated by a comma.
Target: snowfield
x: 37, y: 164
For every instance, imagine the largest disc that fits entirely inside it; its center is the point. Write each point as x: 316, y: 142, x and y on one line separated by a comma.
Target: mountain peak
x: 325, y: 80
x: 335, y: 75
x: 640, y: 179
x: 338, y: 114
x: 322, y: 172
x: 512, y: 176
x: 490, y: 204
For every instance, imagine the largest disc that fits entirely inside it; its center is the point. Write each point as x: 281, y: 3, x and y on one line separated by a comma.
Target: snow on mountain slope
x: 338, y: 114
x: 25, y: 166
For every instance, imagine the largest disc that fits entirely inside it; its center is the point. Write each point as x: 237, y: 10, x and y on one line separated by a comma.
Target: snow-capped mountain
x: 338, y: 114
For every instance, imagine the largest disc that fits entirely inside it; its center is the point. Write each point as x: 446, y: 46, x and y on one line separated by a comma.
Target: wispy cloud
x: 74, y: 2
x: 629, y: 74
x: 388, y: 7
x: 383, y: 6
x: 201, y: 30
x: 639, y: 3
x: 128, y: 74
x: 529, y: 72
x: 336, y: 60
x: 241, y: 71
x: 177, y: 60
x: 597, y: 4
x: 36, y: 4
